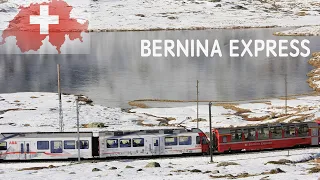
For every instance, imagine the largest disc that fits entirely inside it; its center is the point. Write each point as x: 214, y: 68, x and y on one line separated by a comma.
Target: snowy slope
x: 182, y: 14
x: 34, y: 111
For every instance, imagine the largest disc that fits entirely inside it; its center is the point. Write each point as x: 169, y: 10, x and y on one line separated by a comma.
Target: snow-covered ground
x: 314, y: 75
x: 182, y: 14
x: 35, y: 111
x: 248, y: 166
x: 301, y: 31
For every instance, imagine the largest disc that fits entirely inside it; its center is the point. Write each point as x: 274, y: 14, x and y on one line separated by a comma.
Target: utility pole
x: 60, y: 102
x: 210, y: 130
x: 78, y: 133
x: 197, y: 104
x: 286, y: 90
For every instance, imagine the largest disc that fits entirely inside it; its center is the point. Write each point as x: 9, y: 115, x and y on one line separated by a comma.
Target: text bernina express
x: 237, y: 48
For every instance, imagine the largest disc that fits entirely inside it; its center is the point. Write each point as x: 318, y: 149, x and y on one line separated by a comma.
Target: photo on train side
x: 166, y: 89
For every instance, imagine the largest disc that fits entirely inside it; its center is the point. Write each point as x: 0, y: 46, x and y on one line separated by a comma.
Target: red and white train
x: 157, y: 142
x: 57, y: 145
x: 262, y: 137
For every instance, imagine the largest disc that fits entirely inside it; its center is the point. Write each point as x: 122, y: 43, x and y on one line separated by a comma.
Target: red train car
x: 261, y: 137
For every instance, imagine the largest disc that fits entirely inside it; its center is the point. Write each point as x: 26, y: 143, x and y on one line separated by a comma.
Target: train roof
x: 267, y: 125
x: 116, y: 132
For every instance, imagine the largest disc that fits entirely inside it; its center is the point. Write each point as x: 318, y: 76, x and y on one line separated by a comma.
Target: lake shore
x: 36, y: 111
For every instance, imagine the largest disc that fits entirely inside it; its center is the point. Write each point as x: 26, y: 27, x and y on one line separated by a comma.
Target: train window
x: 290, y: 131
x: 42, y: 145
x: 303, y: 130
x: 263, y: 133
x: 198, y: 139
x: 84, y: 144
x: 125, y: 143
x: 224, y: 139
x: 56, y: 146
x: 155, y: 142
x: 3, y: 145
x: 171, y: 141
x: 69, y: 144
x: 276, y: 132
x: 251, y: 136
x: 137, y: 142
x: 185, y: 140
x: 236, y: 135
x: 204, y: 140
x: 112, y: 143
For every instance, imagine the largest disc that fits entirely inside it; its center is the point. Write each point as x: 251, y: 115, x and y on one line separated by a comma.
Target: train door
x: 155, y: 150
x: 24, y: 150
x: 314, y: 136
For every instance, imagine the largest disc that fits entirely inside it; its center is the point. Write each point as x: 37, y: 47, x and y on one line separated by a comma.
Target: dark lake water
x: 115, y: 73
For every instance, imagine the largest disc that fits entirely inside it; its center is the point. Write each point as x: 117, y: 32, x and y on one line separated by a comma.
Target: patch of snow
x: 252, y: 163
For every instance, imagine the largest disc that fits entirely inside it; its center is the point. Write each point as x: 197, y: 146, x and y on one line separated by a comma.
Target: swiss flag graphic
x: 39, y: 20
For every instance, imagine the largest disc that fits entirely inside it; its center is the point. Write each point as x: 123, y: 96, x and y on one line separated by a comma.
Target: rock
x: 195, y: 170
x: 140, y: 15
x: 153, y: 164
x: 12, y: 124
x: 265, y: 178
x: 172, y: 17
x: 33, y: 97
x: 72, y: 173
x: 281, y: 161
x: 163, y: 122
x: 218, y: 5
x: 26, y: 125
x: 226, y: 164
x: 3, y: 10
x: 214, y: 0
x: 113, y: 168
x: 95, y: 169
x: 51, y: 166
x: 239, y: 7
x: 314, y: 169
x: 170, y: 167
x: 94, y: 125
x: 129, y: 167
x: 199, y: 120
x: 85, y: 99
x: 276, y: 171
x: 15, y: 100
x: 215, y: 172
x: 206, y: 172
x: 139, y: 170
x: 301, y: 14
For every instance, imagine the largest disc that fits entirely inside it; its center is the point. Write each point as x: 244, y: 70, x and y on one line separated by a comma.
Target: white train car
x: 152, y: 142
x: 106, y: 144
x: 47, y: 145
